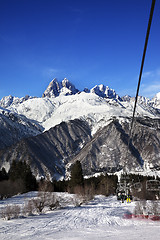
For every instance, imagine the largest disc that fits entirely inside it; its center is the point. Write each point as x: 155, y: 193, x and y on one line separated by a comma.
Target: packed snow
x: 101, y: 218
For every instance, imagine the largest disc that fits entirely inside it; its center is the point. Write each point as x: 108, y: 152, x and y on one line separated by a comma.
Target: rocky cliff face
x: 56, y: 88
x: 48, y: 152
x: 107, y: 151
x: 146, y: 138
x: 14, y: 127
x: 105, y: 91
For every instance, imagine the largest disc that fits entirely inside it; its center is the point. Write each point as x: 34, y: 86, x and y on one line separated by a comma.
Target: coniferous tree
x: 3, y: 175
x: 21, y: 170
x: 77, y: 174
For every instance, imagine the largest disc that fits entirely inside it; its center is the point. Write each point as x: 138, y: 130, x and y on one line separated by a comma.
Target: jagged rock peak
x: 156, y: 100
x: 67, y: 84
x: 53, y: 89
x: 104, y: 91
x: 10, y: 100
x: 56, y: 88
x: 126, y: 98
x: 156, y: 97
x: 6, y: 101
x: 86, y: 90
x: 65, y: 87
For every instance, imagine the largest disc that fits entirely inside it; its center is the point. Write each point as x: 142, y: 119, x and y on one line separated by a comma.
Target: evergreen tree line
x: 19, y: 179
x: 103, y: 184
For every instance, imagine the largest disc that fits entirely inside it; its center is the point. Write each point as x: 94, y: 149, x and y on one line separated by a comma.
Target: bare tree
x: 28, y: 208
x: 10, y: 211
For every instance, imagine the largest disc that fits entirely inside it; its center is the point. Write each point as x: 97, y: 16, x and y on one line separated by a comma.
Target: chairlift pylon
x: 137, y: 186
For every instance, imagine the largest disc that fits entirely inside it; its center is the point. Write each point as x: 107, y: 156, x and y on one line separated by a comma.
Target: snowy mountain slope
x: 104, y: 91
x: 156, y: 101
x: 89, y: 106
x: 63, y: 102
x: 151, y: 106
x: 102, y: 218
x: 10, y: 100
x: 38, y: 109
x: 14, y: 127
x: 108, y: 149
x: 48, y: 153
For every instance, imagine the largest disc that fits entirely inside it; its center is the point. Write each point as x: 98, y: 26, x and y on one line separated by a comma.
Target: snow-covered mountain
x: 156, y: 100
x: 105, y: 91
x: 100, y: 146
x: 7, y: 101
x: 14, y: 127
x: 63, y: 102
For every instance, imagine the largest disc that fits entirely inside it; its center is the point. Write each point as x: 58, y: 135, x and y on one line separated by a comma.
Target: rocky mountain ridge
x: 7, y: 101
x: 51, y: 153
x: 14, y: 127
x: 48, y: 152
x: 65, y: 88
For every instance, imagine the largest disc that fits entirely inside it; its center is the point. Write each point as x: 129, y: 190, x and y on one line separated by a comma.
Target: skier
x: 128, y: 199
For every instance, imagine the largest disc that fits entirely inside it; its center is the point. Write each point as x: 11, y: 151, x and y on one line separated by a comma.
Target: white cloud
x: 147, y: 74
x: 152, y: 74
x: 155, y: 87
x: 50, y: 72
x: 150, y: 83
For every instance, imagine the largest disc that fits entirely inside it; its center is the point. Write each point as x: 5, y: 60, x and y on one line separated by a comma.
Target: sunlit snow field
x: 102, y: 218
x: 89, y: 106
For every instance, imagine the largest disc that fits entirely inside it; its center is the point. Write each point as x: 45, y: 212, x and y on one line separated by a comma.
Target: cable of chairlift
x: 139, y: 80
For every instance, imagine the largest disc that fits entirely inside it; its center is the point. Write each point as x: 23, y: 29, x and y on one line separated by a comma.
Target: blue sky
x: 87, y: 41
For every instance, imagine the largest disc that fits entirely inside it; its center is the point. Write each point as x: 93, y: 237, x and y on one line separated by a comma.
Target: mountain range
x: 64, y: 125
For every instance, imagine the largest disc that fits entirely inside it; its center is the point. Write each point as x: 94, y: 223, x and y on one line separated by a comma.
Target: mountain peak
x: 104, y: 91
x: 65, y: 87
x: 56, y: 88
x: 157, y: 96
x: 67, y: 84
x: 53, y: 89
x: 156, y: 100
x: 7, y: 101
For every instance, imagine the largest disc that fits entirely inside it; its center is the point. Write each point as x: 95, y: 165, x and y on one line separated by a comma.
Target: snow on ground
x: 102, y: 218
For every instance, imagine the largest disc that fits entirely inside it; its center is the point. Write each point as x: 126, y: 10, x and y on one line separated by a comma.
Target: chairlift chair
x: 153, y: 185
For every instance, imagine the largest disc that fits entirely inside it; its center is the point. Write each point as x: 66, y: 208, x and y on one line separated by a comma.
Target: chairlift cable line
x: 142, y: 64
x: 141, y: 70
x: 139, y: 81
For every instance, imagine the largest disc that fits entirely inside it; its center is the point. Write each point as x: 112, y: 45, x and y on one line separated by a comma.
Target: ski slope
x: 102, y: 218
